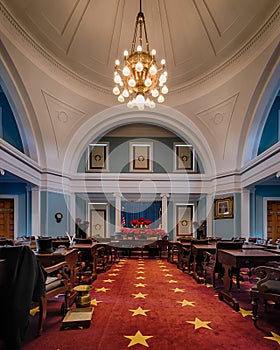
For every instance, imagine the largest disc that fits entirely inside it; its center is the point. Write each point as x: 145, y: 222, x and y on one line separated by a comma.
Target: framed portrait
x: 141, y: 156
x: 184, y: 157
x: 98, y: 156
x: 184, y: 219
x: 223, y: 208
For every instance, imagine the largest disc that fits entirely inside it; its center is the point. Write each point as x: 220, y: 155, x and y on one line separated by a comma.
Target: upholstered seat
x: 267, y: 288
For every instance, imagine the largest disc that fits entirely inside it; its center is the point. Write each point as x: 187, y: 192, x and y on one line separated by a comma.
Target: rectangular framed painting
x: 184, y: 219
x: 223, y: 208
x: 98, y: 222
x: 141, y: 156
x: 184, y: 157
x: 98, y: 156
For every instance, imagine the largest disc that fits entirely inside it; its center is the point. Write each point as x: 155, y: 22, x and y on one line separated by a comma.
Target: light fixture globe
x: 138, y: 80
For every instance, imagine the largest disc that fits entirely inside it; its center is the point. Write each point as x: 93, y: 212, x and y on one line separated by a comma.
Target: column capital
x: 118, y: 195
x: 166, y: 195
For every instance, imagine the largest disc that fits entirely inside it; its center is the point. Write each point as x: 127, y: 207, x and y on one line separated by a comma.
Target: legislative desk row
x: 251, y: 255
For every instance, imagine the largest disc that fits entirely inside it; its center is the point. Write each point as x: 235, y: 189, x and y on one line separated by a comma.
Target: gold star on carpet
x: 172, y: 281
x: 140, y: 272
x: 162, y: 266
x: 108, y: 281
x: 186, y: 303
x: 168, y: 275
x: 139, y: 296
x: 103, y: 289
x: 209, y: 285
x: 140, y: 278
x: 140, y: 285
x: 178, y: 290
x: 113, y: 274
x: 139, y: 311
x: 95, y: 302
x: 138, y: 338
x: 165, y: 270
x: 116, y: 270
x: 199, y: 324
x: 34, y: 311
x: 140, y: 268
x: 275, y: 337
x: 245, y: 313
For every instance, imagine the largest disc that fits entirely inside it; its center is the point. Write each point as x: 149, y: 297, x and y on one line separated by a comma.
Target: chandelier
x: 140, y: 81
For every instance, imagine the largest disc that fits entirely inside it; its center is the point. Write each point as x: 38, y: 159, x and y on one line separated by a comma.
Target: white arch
x: 114, y: 117
x: 260, y: 107
x: 22, y: 108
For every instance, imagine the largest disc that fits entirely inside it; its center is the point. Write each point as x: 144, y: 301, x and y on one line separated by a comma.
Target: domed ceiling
x: 194, y: 36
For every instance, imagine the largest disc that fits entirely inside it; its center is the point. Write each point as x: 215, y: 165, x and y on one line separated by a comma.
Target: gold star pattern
x: 245, y: 313
x: 162, y: 266
x: 95, y: 302
x: 141, y: 268
x: 138, y: 338
x: 172, y: 281
x: 140, y: 285
x: 116, y: 269
x: 113, y: 274
x: 139, y: 311
x: 165, y: 270
x: 108, y: 281
x: 103, y: 289
x: 168, y: 275
x: 275, y: 337
x: 178, y: 290
x: 140, y: 278
x: 199, y: 324
x: 186, y: 303
x: 140, y: 272
x: 139, y: 296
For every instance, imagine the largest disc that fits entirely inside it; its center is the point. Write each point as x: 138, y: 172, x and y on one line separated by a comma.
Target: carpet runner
x: 149, y: 303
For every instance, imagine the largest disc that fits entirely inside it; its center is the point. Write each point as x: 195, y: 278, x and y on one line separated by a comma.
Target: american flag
x: 123, y: 221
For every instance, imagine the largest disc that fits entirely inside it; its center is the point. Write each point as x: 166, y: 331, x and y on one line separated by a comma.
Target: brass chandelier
x: 140, y: 81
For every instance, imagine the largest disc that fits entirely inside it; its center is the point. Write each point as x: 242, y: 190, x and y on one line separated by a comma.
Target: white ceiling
x: 195, y: 36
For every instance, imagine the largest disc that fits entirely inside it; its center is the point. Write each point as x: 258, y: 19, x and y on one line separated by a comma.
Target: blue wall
x: 51, y: 203
x: 163, y: 160
x: 8, y: 126
x: 229, y: 227
x: 270, y: 134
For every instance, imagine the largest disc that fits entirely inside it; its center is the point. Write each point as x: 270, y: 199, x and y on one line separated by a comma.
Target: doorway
x: 7, y: 218
x: 273, y: 219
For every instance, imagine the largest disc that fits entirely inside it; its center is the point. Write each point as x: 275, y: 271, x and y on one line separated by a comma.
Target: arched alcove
x: 108, y: 120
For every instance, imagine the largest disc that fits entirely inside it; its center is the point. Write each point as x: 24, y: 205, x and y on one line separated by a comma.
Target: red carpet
x: 150, y: 303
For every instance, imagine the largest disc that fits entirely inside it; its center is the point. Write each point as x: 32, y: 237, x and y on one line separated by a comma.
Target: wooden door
x: 273, y: 220
x: 7, y: 218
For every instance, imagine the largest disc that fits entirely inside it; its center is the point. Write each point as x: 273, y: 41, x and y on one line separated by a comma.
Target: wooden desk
x: 197, y: 250
x: 238, y: 259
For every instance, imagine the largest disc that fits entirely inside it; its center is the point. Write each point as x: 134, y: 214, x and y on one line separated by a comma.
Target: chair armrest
x: 266, y: 275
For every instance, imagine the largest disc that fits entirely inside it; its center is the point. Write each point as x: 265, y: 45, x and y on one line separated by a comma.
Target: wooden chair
x: 267, y: 288
x: 211, y: 265
x: 184, y: 257
x: 57, y: 282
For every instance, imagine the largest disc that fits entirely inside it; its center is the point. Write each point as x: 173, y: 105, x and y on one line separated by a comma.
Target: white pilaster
x: 245, y: 214
x: 36, y: 209
x: 164, y: 197
x: 118, y: 211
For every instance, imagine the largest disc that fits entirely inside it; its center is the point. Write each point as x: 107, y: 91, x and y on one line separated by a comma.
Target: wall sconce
x: 58, y: 217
